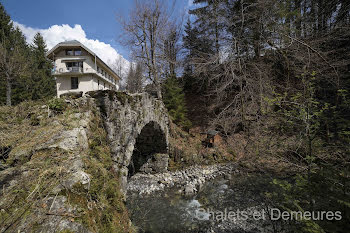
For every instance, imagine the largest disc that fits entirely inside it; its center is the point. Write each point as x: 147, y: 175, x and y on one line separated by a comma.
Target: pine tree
x: 14, y: 65
x: 174, y: 100
x: 197, y: 49
x: 21, y: 68
x: 208, y: 20
x: 5, y: 29
x: 25, y: 72
x: 43, y: 84
x: 5, y: 23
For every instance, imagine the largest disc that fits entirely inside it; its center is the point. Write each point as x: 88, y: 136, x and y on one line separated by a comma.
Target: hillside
x: 56, y: 171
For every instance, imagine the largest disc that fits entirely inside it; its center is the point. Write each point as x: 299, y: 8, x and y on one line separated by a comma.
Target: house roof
x: 212, y: 132
x: 71, y: 43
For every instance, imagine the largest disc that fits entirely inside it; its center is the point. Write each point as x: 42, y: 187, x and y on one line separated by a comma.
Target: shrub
x: 57, y: 104
x: 174, y: 100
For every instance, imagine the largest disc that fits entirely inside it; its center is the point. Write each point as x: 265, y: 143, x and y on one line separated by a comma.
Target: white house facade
x: 78, y: 69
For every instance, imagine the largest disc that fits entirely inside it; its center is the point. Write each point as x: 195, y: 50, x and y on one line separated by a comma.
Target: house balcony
x: 68, y: 70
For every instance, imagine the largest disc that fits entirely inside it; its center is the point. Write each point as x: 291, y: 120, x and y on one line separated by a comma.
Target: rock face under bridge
x: 138, y: 131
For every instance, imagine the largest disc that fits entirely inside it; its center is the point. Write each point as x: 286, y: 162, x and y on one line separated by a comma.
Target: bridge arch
x: 137, y: 126
x: 151, y: 140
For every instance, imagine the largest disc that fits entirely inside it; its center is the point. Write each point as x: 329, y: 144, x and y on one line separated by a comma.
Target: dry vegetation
x: 188, y: 149
x: 36, y: 192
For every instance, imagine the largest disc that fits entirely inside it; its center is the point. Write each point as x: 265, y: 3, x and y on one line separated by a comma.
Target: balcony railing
x: 68, y: 70
x: 86, y: 70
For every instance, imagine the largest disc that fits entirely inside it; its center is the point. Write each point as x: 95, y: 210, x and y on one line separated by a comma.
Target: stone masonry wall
x: 125, y: 116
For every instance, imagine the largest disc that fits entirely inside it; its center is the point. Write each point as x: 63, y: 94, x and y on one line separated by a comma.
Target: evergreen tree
x: 208, y: 20
x: 5, y: 29
x: 21, y: 70
x: 5, y: 23
x: 174, y: 100
x: 197, y: 49
x: 25, y: 72
x: 42, y: 82
x: 196, y: 44
x: 14, y: 66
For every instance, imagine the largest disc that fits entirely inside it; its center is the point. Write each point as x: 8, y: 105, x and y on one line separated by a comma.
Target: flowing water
x: 221, y: 205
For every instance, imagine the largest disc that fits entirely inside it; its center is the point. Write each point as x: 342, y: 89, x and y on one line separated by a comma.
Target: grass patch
x: 26, y: 187
x: 30, y: 183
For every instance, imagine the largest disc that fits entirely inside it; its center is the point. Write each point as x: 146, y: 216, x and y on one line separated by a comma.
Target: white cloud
x: 59, y: 33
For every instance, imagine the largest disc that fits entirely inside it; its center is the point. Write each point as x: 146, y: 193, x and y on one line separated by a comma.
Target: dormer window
x: 70, y: 52
x: 77, y: 52
x: 73, y: 52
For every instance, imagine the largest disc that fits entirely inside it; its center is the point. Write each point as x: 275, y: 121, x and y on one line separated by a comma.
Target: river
x: 226, y: 203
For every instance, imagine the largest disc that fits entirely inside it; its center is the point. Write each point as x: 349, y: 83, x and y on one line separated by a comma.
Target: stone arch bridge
x: 138, y: 128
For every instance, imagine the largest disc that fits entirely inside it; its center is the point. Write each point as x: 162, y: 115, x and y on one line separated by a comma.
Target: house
x: 213, y: 138
x: 78, y: 69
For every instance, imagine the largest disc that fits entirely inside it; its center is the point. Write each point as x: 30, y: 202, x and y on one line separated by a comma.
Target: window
x: 74, y: 64
x: 69, y: 52
x: 104, y: 85
x: 98, y: 84
x: 77, y: 52
x: 73, y: 52
x: 74, y: 82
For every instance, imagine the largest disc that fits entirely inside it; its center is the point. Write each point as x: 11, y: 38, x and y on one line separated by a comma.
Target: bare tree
x: 172, y: 48
x: 119, y: 65
x: 144, y: 32
x: 134, y: 80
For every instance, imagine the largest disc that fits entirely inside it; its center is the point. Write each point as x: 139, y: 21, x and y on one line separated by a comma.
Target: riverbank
x: 187, y: 181
x: 200, y: 199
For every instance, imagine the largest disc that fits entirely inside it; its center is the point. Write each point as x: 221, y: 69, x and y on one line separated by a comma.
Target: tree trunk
x: 8, y: 91
x: 159, y: 92
x: 298, y: 18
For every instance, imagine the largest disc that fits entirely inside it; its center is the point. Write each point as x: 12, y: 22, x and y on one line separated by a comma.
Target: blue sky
x: 93, y: 20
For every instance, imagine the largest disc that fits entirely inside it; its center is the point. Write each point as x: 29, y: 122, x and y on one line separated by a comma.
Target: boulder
x: 72, y: 95
x: 190, y: 189
x: 157, y: 163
